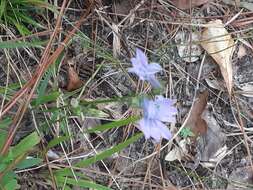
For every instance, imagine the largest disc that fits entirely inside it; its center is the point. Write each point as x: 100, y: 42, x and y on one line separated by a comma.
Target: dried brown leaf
x: 211, y: 145
x: 195, y: 122
x: 186, y: 4
x: 178, y: 152
x: 220, y: 45
x: 74, y: 81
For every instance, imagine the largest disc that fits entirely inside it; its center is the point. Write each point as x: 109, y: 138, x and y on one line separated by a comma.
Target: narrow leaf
x: 26, y: 144
x: 101, y: 156
x: 81, y: 183
x: 113, y: 124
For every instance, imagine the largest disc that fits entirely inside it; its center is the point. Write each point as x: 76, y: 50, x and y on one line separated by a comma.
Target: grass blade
x: 101, y: 156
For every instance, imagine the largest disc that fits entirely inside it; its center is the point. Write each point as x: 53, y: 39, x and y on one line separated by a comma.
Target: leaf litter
x: 208, y: 139
x: 207, y: 147
x: 186, y: 4
x: 219, y: 44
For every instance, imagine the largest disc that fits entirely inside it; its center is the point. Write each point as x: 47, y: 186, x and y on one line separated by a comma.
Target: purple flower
x: 144, y: 70
x: 155, y: 112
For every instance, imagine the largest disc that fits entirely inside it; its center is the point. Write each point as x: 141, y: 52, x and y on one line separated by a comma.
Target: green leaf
x: 56, y: 141
x: 20, y: 27
x: 81, y: 183
x: 3, y: 130
x: 25, y: 145
x: 2, y: 8
x: 44, y: 83
x: 29, y: 162
x: 29, y: 20
x: 186, y: 132
x: 3, y: 136
x: 101, y: 156
x: 11, y: 185
x: 11, y: 87
x: 20, y: 44
x: 5, y: 123
x: 7, y: 178
x: 46, y: 98
x: 113, y: 124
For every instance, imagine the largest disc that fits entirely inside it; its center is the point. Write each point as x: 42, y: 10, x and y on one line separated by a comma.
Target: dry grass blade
x: 186, y: 4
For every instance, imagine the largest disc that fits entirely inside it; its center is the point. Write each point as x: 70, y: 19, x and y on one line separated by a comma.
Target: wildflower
x: 155, y: 112
x: 144, y: 70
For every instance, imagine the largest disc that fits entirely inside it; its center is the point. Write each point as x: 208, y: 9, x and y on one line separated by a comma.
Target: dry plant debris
x: 74, y: 81
x: 212, y: 156
x: 195, y: 122
x: 241, y: 176
x: 187, y: 4
x: 187, y: 46
x: 220, y: 45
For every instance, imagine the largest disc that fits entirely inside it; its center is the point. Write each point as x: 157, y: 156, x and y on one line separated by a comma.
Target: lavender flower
x: 144, y: 70
x: 155, y: 113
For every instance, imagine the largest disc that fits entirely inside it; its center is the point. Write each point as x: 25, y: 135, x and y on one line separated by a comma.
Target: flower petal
x: 145, y: 127
x: 165, y: 110
x: 135, y: 62
x: 164, y: 131
x: 141, y: 57
x: 154, y: 68
x: 154, y: 82
x: 159, y: 131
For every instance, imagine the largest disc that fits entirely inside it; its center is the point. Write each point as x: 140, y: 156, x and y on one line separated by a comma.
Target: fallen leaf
x: 195, y: 122
x: 241, y: 51
x: 215, y: 84
x: 74, y: 81
x: 211, y: 145
x: 247, y: 90
x: 189, y: 53
x: 209, y: 140
x: 186, y: 4
x: 178, y: 152
x: 219, y: 44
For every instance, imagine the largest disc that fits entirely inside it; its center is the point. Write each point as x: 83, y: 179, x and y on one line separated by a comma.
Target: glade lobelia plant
x: 156, y: 111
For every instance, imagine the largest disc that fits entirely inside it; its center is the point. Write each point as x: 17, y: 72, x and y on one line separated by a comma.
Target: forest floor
x: 212, y: 82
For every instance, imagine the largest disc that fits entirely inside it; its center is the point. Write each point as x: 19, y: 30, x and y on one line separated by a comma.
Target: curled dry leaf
x: 74, y: 81
x: 197, y: 125
x: 211, y: 145
x: 219, y: 44
x: 195, y: 122
x: 186, y: 4
x: 178, y: 152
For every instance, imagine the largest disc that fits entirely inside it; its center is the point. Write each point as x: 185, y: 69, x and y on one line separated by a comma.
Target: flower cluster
x: 156, y: 111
